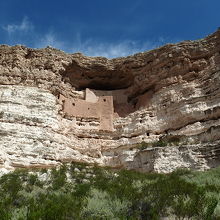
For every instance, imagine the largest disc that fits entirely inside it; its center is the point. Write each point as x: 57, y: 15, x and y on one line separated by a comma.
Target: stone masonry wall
x: 100, y: 108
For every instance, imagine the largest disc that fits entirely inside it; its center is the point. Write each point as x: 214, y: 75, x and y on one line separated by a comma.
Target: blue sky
x: 110, y: 28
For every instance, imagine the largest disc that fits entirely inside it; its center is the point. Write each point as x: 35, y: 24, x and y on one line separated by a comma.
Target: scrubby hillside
x: 78, y: 191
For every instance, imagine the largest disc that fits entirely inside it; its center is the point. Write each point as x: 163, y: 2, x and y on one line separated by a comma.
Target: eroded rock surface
x: 153, y: 111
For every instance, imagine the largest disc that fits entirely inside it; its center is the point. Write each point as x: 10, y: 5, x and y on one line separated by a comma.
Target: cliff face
x: 154, y: 111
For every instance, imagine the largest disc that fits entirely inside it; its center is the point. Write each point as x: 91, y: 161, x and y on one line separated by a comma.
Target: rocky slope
x: 166, y: 107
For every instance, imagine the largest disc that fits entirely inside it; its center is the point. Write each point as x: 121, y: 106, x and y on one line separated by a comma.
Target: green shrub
x: 102, y: 206
x: 143, y: 145
x: 58, y: 177
x: 160, y: 143
x: 53, y: 206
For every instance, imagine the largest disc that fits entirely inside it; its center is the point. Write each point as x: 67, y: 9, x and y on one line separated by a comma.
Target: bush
x: 58, y: 177
x: 102, y: 206
x: 160, y: 143
x: 53, y: 206
x: 143, y: 145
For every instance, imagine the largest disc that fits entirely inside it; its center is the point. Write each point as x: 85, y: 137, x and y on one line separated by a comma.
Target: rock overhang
x: 98, y: 77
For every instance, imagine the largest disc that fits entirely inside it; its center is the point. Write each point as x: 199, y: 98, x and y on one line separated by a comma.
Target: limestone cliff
x: 153, y: 111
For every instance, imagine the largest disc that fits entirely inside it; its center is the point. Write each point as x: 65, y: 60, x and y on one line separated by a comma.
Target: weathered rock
x: 57, y: 107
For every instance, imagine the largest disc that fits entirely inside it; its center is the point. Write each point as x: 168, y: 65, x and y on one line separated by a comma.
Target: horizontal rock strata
x: 153, y: 111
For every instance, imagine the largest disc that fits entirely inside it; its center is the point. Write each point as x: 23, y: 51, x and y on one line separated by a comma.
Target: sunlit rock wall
x: 165, y: 107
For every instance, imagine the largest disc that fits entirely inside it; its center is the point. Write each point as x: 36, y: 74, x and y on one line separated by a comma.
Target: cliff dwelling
x: 106, y: 94
x: 97, y: 109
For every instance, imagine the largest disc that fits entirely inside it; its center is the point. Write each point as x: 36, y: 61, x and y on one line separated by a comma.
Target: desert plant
x: 143, y: 145
x: 160, y: 143
x: 58, y: 177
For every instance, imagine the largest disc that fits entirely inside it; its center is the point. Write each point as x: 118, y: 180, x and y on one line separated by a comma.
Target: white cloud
x: 94, y: 48
x: 112, y: 50
x: 24, y: 33
x: 24, y: 26
x: 49, y: 39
